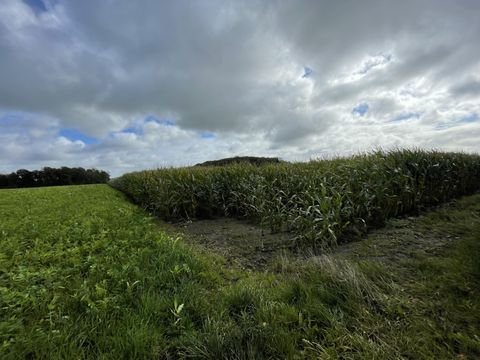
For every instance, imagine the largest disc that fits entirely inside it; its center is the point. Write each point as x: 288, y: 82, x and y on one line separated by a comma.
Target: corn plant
x: 319, y: 201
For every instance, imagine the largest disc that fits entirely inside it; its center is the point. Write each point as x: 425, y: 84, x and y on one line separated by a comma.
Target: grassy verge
x: 85, y: 274
x: 432, y: 268
x: 449, y: 284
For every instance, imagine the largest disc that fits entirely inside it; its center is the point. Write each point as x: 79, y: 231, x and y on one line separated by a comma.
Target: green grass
x: 429, y: 272
x: 448, y: 285
x: 86, y: 274
x: 320, y: 201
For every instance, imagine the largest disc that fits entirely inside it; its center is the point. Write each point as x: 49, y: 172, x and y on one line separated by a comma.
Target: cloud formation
x: 291, y: 79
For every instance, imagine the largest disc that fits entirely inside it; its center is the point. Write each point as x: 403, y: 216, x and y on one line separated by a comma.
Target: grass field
x: 86, y: 274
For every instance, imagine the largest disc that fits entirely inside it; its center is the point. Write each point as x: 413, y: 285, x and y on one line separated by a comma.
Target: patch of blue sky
x: 18, y: 122
x: 361, y: 109
x: 37, y: 5
x: 133, y: 129
x: 307, y: 72
x: 7, y: 120
x: 164, y: 122
x: 13, y: 118
x: 137, y: 127
x: 470, y: 118
x: 444, y: 125
x: 76, y: 135
x: 406, y: 116
x: 208, y: 135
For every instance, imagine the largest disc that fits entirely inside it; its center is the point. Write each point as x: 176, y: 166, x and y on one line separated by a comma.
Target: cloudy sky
x: 124, y: 85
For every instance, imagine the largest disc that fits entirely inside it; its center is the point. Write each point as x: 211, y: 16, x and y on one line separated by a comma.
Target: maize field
x: 321, y: 202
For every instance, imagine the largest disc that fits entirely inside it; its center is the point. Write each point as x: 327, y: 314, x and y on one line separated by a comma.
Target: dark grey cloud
x: 468, y: 88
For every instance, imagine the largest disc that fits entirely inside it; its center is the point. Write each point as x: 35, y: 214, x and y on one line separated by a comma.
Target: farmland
x: 321, y: 202
x: 84, y: 273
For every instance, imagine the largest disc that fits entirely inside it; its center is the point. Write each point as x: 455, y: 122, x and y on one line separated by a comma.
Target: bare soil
x: 240, y: 242
x: 252, y: 247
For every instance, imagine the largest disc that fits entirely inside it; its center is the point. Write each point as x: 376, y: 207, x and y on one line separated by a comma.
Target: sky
x: 125, y: 85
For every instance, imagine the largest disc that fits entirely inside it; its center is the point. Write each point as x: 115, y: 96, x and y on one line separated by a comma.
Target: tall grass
x: 319, y: 201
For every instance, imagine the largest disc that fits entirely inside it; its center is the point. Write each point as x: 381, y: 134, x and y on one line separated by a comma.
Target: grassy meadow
x: 85, y: 274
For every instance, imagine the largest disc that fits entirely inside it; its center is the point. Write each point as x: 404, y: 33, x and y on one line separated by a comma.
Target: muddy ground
x: 251, y: 247
x: 240, y: 242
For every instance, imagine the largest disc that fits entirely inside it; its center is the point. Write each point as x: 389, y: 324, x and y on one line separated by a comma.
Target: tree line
x: 53, y: 176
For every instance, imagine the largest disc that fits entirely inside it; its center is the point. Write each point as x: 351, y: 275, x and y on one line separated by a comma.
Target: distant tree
x: 12, y: 180
x: 3, y: 181
x: 254, y: 160
x: 37, y: 178
x: 78, y: 175
x: 50, y: 177
x: 24, y: 178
